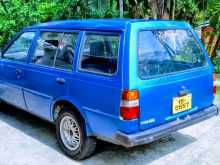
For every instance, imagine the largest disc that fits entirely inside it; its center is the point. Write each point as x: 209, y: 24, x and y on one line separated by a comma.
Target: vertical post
x: 172, y: 9
x: 98, y: 4
x: 121, y: 8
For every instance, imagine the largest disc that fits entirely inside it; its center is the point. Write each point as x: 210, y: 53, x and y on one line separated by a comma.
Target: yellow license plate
x: 182, y: 103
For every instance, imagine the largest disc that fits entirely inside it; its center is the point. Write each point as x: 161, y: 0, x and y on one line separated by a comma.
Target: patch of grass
x: 218, y: 96
x: 218, y: 91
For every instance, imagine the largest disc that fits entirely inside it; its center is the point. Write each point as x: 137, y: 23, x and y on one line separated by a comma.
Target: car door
x: 97, y: 84
x: 49, y: 70
x: 13, y: 75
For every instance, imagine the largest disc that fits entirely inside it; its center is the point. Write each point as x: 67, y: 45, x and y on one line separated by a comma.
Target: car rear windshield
x: 166, y: 51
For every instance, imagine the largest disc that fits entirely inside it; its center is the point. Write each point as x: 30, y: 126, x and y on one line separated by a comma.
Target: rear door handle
x: 60, y: 80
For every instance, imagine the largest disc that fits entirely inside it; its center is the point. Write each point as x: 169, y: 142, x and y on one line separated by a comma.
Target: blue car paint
x: 156, y: 93
x: 97, y: 97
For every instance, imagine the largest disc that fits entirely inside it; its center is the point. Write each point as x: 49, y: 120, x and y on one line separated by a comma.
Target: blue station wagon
x: 125, y: 81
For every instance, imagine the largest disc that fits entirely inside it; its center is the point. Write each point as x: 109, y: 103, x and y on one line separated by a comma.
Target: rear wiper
x: 169, y: 50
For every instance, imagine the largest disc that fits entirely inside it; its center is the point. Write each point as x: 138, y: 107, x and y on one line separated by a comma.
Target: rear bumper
x: 158, y: 132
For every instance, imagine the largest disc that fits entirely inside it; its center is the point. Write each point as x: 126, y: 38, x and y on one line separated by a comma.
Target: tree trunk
x: 162, y: 9
x: 153, y: 6
x: 172, y: 9
x: 121, y: 8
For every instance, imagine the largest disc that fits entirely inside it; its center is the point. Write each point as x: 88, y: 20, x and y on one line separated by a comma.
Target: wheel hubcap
x: 70, y: 133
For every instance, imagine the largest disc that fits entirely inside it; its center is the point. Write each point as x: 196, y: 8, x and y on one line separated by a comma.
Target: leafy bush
x: 216, y: 63
x: 110, y: 11
x: 214, y: 12
x: 16, y: 14
x: 186, y: 10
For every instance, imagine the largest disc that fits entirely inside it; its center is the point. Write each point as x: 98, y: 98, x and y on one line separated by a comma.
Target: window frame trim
x: 171, y: 73
x: 83, y: 40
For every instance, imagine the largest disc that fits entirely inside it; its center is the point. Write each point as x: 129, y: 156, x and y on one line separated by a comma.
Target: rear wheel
x: 71, y: 135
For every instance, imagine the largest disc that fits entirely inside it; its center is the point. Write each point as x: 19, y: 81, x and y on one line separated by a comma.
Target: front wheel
x: 71, y: 135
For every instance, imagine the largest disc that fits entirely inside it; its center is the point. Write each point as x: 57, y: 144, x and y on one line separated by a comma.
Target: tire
x: 83, y: 146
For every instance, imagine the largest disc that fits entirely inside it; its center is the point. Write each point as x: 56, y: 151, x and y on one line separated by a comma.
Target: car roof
x: 102, y: 24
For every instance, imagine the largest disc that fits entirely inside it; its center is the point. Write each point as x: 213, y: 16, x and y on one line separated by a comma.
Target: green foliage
x: 109, y: 11
x: 214, y: 13
x: 186, y: 10
x: 16, y: 14
x: 137, y: 8
x: 216, y: 63
x: 218, y: 96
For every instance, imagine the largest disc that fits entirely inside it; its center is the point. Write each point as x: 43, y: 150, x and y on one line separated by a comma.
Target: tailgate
x: 175, y: 76
x: 157, y: 96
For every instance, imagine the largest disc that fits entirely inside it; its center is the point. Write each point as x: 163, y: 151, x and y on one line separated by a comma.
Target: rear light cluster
x: 214, y: 84
x: 129, y: 107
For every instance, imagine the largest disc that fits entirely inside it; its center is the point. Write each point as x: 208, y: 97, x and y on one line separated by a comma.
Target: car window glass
x: 100, y: 53
x: 47, y: 48
x: 166, y: 51
x: 55, y: 50
x: 64, y: 58
x: 18, y: 51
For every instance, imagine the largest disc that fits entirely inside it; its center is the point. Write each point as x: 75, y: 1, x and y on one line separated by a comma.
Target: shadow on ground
x: 106, y: 153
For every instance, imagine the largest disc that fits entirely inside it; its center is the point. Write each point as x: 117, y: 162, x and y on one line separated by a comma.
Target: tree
x: 154, y: 8
x: 214, y: 13
x: 16, y: 14
x: 138, y: 8
x: 214, y: 20
x: 162, y: 9
x: 187, y: 10
x: 172, y: 9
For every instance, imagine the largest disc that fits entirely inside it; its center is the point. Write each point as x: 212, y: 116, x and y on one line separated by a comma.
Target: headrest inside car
x: 53, y: 42
x: 97, y: 49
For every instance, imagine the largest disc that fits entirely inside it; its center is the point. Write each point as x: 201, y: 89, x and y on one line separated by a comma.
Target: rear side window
x: 100, y: 54
x: 55, y: 50
x: 167, y: 51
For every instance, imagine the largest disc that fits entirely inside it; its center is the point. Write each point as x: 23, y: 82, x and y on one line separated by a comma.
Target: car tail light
x: 214, y: 84
x: 129, y: 108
